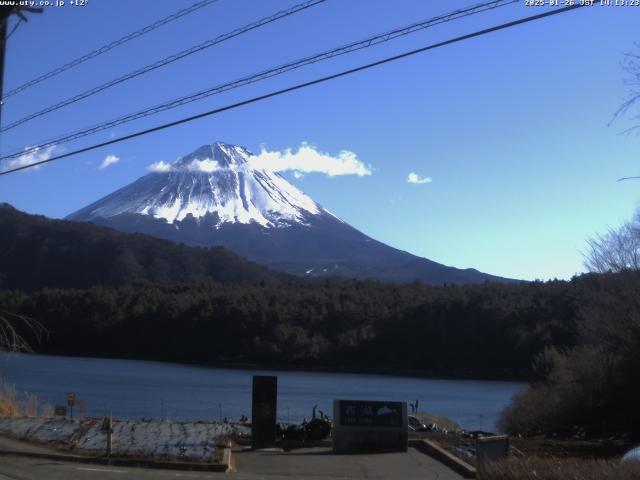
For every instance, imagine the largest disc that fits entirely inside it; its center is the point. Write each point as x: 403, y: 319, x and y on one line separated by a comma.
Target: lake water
x: 136, y: 389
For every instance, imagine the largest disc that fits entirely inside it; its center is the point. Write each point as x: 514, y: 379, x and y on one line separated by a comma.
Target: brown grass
x: 550, y: 468
x: 21, y: 404
x: 8, y: 401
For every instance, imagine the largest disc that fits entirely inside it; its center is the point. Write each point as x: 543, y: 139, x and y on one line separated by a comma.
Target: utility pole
x: 107, y: 428
x: 5, y: 13
x: 4, y: 22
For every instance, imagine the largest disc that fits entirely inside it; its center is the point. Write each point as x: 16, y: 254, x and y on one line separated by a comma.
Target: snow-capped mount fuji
x: 216, y: 180
x: 216, y: 196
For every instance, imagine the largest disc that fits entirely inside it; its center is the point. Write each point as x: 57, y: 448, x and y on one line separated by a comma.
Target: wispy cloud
x: 309, y: 160
x: 206, y: 165
x: 34, y: 156
x: 108, y: 161
x: 413, y: 177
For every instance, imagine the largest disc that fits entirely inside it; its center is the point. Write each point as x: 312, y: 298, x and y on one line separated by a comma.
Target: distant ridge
x: 37, y: 252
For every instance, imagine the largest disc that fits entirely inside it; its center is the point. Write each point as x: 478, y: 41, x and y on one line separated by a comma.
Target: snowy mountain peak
x: 216, y: 181
x: 223, y: 154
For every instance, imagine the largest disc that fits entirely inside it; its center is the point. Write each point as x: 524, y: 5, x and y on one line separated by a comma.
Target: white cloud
x: 159, y: 167
x: 108, y: 161
x: 34, y: 156
x: 207, y: 165
x: 413, y: 177
x: 306, y: 160
x: 309, y: 160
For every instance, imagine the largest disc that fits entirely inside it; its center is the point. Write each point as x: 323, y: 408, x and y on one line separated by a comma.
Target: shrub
x: 537, y: 468
x: 21, y: 404
x: 593, y: 387
x: 8, y: 400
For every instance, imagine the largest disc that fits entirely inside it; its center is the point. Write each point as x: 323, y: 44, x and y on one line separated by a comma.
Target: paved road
x: 7, y: 443
x: 14, y: 468
x: 323, y: 464
x: 315, y: 464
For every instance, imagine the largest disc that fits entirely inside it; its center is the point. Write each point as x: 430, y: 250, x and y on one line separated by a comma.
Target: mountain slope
x: 217, y: 196
x: 37, y: 252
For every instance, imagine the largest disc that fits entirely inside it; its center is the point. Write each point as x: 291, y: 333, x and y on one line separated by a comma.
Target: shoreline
x: 434, y: 374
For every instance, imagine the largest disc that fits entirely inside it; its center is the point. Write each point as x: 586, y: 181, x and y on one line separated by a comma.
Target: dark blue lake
x: 136, y: 389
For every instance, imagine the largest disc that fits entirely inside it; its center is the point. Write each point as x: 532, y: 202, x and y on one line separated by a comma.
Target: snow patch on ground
x: 41, y: 430
x: 195, y: 441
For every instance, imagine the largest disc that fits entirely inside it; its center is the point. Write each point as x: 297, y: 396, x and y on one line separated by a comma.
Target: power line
x: 15, y: 27
x: 166, y: 61
x: 301, y: 85
x: 110, y: 46
x: 272, y: 72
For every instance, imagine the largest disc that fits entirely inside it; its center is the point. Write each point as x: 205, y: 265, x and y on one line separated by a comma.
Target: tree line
x: 485, y: 330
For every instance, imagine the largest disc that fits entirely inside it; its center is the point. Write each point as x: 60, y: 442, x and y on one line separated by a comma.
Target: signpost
x: 370, y: 426
x: 107, y: 428
x: 71, y: 401
x: 263, y: 411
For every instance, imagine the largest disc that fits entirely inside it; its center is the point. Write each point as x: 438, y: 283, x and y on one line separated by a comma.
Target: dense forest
x: 488, y: 330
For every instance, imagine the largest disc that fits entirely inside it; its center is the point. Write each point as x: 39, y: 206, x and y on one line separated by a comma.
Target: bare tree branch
x: 617, y: 250
x: 631, y: 65
x: 10, y: 338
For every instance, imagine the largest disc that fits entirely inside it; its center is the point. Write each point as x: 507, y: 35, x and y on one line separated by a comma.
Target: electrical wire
x: 279, y: 70
x: 15, y: 27
x: 300, y: 86
x: 110, y: 46
x: 166, y: 61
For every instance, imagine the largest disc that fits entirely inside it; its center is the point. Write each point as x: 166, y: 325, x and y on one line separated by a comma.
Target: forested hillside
x: 37, y: 252
x: 490, y: 330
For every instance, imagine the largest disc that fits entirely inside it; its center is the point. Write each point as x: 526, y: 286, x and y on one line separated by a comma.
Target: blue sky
x: 511, y: 128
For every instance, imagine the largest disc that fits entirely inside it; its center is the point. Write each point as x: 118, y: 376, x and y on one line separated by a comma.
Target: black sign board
x: 370, y: 426
x: 60, y: 411
x: 263, y: 411
x: 355, y: 413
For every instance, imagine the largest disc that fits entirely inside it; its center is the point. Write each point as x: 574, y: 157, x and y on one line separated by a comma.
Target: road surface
x: 303, y: 464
